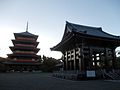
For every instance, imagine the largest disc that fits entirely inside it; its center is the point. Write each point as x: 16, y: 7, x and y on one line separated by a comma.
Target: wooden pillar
x: 106, y: 58
x: 69, y: 60
x: 70, y: 65
x: 66, y: 60
x: 113, y: 58
x: 74, y: 51
x: 95, y: 60
x: 80, y: 64
x: 82, y: 57
x: 91, y: 61
x: 100, y: 59
x: 78, y: 58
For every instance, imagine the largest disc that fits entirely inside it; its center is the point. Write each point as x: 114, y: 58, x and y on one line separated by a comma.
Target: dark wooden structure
x: 24, y: 56
x: 87, y: 48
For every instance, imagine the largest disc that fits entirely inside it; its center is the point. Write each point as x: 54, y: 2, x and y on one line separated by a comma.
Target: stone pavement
x: 45, y: 81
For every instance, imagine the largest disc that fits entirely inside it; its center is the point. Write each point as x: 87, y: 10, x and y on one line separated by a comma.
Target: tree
x: 49, y: 64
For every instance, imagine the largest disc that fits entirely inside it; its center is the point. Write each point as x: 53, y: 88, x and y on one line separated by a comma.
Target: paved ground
x: 44, y: 81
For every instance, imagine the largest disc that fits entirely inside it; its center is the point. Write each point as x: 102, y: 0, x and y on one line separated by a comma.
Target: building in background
x: 88, y: 50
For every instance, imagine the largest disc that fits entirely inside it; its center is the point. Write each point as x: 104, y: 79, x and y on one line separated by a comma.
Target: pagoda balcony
x: 26, y: 60
x: 16, y: 48
x: 25, y: 45
x: 25, y: 39
x: 24, y: 52
x: 22, y: 55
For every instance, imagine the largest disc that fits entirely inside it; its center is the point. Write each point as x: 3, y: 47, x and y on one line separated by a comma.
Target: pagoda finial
x: 27, y: 27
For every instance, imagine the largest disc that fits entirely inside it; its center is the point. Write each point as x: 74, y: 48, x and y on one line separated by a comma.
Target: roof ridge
x: 89, y: 30
x: 83, y: 25
x: 26, y: 33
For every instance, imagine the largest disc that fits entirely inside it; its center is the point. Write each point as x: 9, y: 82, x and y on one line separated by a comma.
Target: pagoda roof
x: 88, y: 30
x: 83, y: 31
x: 21, y: 63
x: 24, y: 48
x: 26, y: 42
x: 26, y: 33
x: 22, y: 55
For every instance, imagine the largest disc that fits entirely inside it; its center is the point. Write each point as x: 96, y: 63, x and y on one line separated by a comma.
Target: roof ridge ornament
x: 27, y: 27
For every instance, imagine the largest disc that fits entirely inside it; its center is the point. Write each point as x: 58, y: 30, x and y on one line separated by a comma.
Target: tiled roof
x: 94, y: 31
x: 26, y: 34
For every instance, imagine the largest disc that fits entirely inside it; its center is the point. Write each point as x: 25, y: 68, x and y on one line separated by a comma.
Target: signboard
x: 91, y: 73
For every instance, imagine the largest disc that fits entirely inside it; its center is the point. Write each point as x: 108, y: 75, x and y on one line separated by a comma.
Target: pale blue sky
x: 47, y: 19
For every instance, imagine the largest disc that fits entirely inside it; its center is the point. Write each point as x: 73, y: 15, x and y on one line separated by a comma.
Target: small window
x: 98, y: 63
x: 97, y: 54
x: 98, y: 58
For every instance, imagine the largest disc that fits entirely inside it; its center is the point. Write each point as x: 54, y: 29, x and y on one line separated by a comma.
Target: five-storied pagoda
x: 24, y: 56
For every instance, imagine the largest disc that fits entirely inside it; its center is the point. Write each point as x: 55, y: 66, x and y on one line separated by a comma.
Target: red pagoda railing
x: 25, y: 45
x: 25, y: 52
x: 21, y: 38
x: 21, y: 60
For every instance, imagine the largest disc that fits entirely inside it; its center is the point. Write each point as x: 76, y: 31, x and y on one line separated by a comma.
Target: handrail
x: 24, y: 45
x: 21, y: 38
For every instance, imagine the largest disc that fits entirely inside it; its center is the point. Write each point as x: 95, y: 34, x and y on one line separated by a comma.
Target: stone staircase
x: 112, y: 75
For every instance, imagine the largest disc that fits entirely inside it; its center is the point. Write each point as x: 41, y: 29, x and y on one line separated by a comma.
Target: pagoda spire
x: 27, y: 27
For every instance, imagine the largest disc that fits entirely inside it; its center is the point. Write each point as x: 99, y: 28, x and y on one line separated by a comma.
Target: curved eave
x: 22, y: 55
x: 17, y: 35
x: 69, y: 41
x: 116, y: 38
x: 112, y: 41
x: 23, y: 41
x: 35, y: 43
x: 22, y: 63
x: 37, y: 50
x: 25, y: 34
x: 24, y: 48
x: 63, y: 44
